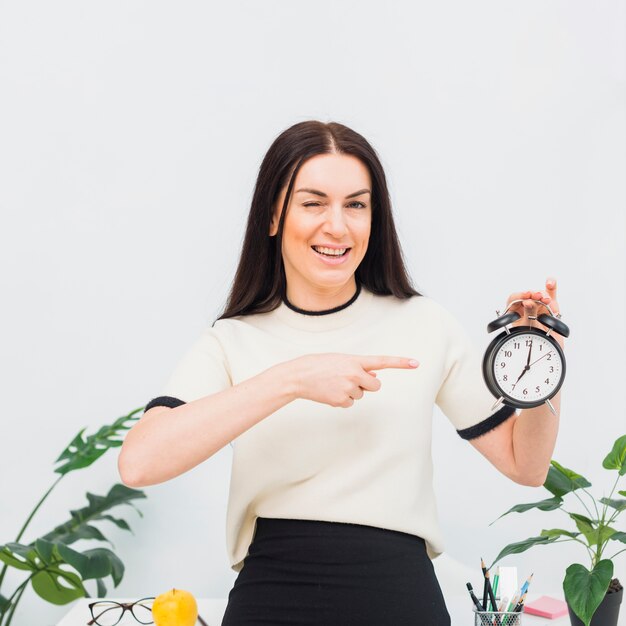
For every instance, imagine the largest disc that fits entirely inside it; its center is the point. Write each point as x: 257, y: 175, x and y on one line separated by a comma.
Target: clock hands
x: 527, y: 366
x: 541, y: 357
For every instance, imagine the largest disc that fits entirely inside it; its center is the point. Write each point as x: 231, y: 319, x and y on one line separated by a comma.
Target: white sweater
x: 367, y: 464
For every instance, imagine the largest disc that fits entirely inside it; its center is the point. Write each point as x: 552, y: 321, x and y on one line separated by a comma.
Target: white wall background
x: 130, y: 138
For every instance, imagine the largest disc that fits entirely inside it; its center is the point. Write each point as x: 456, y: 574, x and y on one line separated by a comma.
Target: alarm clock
x: 524, y: 366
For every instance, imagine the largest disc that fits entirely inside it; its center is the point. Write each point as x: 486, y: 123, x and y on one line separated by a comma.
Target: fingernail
x: 413, y: 362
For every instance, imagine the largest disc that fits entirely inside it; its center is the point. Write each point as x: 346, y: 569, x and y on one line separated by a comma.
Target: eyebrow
x: 321, y: 193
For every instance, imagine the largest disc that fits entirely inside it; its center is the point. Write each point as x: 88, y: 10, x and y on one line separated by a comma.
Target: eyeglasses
x: 109, y: 613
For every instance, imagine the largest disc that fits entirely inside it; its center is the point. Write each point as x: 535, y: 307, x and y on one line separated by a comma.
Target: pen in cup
x: 496, y: 580
x: 492, y: 598
x: 485, y: 592
x: 475, y: 600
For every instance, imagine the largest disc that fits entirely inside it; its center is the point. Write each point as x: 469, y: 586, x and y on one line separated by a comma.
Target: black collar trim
x: 326, y: 311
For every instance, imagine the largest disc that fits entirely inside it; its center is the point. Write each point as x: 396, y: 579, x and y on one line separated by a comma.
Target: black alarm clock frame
x: 499, y: 359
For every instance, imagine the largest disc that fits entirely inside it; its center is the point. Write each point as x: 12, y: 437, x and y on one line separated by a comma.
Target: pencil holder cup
x: 497, y: 618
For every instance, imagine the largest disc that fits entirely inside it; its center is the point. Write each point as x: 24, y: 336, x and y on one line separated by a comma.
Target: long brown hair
x: 260, y: 277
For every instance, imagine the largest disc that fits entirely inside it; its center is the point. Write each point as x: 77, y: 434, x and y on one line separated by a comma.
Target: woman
x: 309, y: 372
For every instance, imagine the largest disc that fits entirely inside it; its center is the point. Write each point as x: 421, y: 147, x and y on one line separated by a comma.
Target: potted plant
x: 589, y: 593
x: 45, y: 558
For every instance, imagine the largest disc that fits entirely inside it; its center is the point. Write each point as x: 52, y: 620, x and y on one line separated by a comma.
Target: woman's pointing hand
x: 340, y: 379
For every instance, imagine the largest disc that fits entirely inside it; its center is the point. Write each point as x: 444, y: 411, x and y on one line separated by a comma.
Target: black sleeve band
x: 168, y: 401
x: 488, y: 424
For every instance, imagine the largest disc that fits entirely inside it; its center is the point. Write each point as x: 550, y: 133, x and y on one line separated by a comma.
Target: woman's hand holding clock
x: 525, y: 365
x: 529, y: 307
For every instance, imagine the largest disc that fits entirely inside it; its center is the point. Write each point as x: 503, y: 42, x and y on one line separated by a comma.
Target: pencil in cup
x: 497, y: 618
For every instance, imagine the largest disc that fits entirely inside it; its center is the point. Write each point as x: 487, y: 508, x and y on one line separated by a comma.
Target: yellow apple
x: 175, y: 608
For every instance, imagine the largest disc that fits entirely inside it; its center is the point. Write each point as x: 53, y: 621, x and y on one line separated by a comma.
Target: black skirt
x: 321, y: 573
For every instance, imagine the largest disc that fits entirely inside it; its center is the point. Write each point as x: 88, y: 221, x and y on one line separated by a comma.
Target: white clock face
x: 527, y: 367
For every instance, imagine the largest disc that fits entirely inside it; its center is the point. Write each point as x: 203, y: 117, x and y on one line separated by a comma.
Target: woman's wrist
x: 285, y: 376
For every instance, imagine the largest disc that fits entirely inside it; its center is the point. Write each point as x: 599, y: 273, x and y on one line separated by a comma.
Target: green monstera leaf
x: 584, y: 590
x: 49, y: 580
x: 95, y: 563
x: 4, y: 604
x: 57, y: 586
x: 83, y: 452
x: 90, y: 564
x: 78, y: 527
x: 47, y: 557
x: 9, y: 555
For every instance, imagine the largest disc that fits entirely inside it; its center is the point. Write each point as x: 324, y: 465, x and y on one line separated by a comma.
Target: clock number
x: 502, y: 364
x: 537, y: 389
x: 551, y: 369
x: 525, y: 391
x: 529, y: 342
x: 507, y: 353
x: 549, y: 356
x: 547, y: 381
x: 505, y: 377
x: 516, y: 345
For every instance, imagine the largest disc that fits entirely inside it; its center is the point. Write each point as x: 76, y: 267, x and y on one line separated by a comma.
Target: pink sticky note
x: 545, y: 606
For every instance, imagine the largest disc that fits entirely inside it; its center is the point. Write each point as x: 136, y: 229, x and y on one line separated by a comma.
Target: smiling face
x: 330, y: 207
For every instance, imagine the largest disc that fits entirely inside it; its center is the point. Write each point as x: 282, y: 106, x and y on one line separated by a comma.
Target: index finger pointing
x: 381, y: 362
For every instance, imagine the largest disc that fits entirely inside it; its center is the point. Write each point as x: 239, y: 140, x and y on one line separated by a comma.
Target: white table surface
x: 212, y: 610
